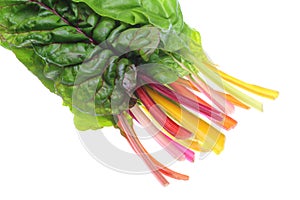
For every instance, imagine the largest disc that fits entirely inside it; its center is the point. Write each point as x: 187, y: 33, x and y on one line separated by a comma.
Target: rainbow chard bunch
x: 120, y: 62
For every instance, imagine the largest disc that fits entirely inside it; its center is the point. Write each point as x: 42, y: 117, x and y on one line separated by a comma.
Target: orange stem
x: 227, y: 123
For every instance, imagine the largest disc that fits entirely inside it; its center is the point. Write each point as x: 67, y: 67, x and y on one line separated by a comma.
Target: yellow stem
x: 261, y: 91
x: 209, y: 137
x: 191, y: 144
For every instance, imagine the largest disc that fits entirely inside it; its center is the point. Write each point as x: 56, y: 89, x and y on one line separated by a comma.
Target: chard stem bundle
x: 119, y: 63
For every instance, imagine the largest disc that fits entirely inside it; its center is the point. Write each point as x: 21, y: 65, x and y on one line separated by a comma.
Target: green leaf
x: 162, y: 68
x: 35, y: 64
x: 85, y: 122
x: 89, y: 52
x: 53, y: 39
x: 145, y: 40
x: 164, y: 14
x: 159, y: 73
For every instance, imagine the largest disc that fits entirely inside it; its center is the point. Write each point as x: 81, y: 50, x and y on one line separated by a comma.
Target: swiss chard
x: 115, y: 61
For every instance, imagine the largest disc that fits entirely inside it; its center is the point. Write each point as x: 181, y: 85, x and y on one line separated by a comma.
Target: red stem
x: 227, y: 122
x: 177, y: 97
x: 167, y: 123
x: 133, y: 141
x: 174, y: 148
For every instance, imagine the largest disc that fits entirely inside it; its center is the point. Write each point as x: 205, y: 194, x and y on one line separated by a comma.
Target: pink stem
x: 215, y: 97
x: 133, y: 141
x: 175, y: 149
x: 177, y: 97
x: 167, y: 123
x: 219, y: 100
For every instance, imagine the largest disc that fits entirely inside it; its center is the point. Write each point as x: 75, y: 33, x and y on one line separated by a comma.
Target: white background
x: 41, y: 156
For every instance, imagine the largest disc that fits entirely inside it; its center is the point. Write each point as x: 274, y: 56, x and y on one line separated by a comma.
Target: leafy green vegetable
x: 54, y: 38
x: 61, y: 42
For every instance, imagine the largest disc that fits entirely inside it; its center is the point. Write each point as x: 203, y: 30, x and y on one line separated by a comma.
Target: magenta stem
x: 132, y: 139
